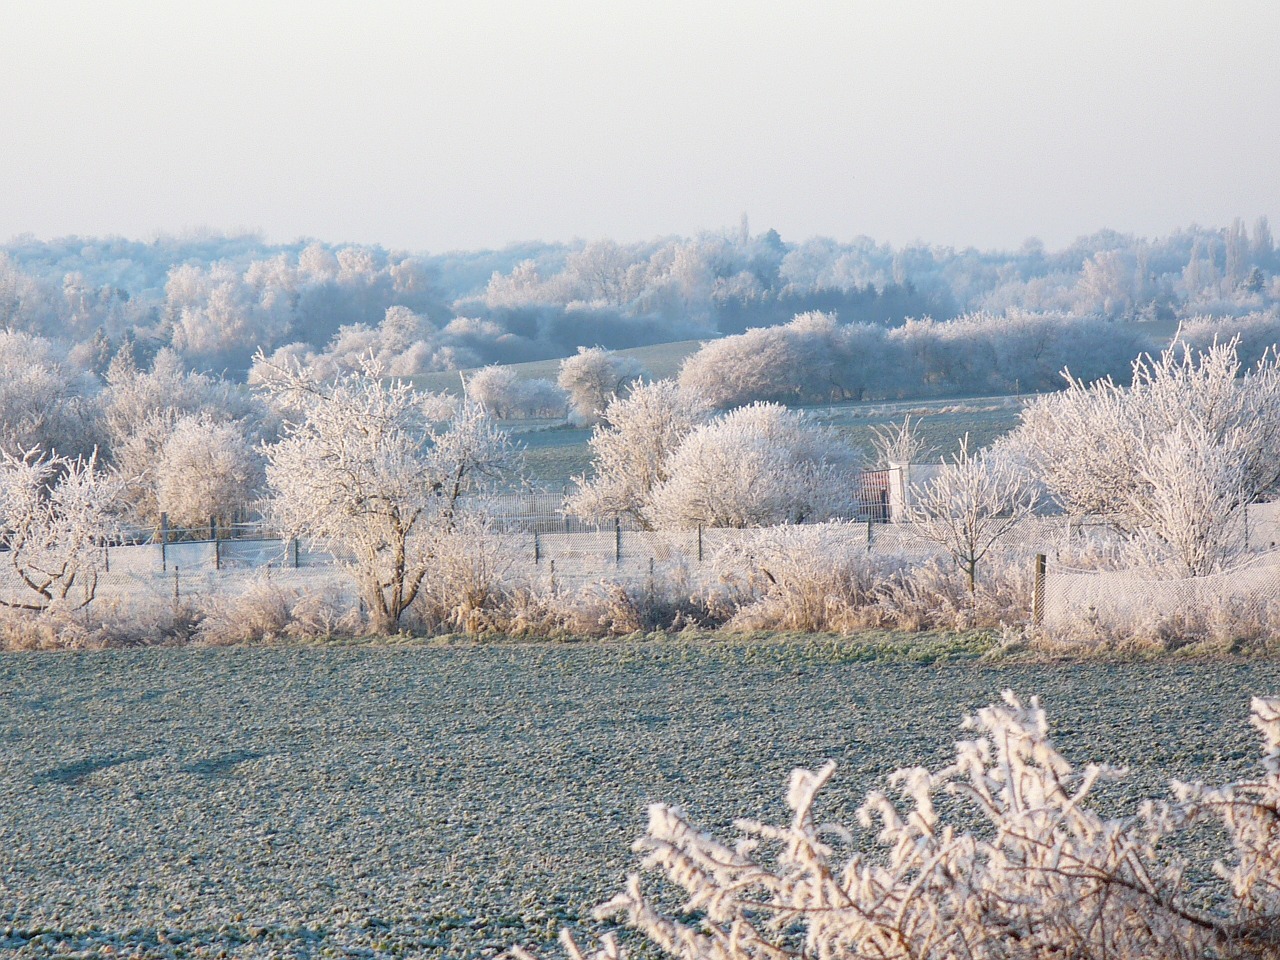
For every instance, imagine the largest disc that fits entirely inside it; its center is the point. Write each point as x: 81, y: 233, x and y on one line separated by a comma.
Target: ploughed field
x: 389, y: 800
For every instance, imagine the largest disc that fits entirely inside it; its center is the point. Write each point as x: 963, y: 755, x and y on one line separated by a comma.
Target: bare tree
x: 970, y: 504
x: 363, y: 469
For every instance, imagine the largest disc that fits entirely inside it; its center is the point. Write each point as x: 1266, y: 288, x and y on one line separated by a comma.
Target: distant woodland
x: 216, y: 300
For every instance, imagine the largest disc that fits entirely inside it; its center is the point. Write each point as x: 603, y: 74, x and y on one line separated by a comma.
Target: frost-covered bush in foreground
x: 999, y: 856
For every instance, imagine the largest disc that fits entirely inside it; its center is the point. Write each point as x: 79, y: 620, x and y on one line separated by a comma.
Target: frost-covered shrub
x: 822, y: 578
x: 812, y: 358
x: 269, y: 609
x: 799, y: 578
x: 667, y: 601
x: 757, y: 465
x: 897, y: 444
x: 1001, y: 855
x: 260, y: 613
x: 467, y: 582
x: 1175, y: 457
x: 506, y: 396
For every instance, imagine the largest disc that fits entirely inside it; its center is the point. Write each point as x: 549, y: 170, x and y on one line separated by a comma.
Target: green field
x: 555, y: 453
x: 391, y: 801
x: 660, y: 362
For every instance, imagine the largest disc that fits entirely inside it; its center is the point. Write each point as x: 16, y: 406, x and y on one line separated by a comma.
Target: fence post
x: 295, y: 553
x: 164, y: 539
x: 176, y: 593
x: 1037, y: 591
x: 869, y: 528
x: 699, y: 543
x: 537, y: 554
x: 617, y: 541
x: 217, y: 554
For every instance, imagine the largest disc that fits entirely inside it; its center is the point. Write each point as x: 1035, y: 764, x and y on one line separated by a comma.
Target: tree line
x: 216, y: 300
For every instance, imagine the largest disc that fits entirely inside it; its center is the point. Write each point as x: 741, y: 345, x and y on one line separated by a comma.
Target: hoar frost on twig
x: 1020, y: 865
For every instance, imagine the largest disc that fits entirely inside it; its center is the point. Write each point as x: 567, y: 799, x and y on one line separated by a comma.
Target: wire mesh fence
x: 1243, y: 599
x: 151, y: 574
x: 530, y: 543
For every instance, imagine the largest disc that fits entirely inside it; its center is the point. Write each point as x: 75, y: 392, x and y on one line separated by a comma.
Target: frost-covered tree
x: 970, y: 504
x: 592, y: 378
x: 364, y: 469
x: 758, y: 465
x: 56, y: 514
x: 44, y: 401
x: 811, y: 358
x: 631, y: 449
x: 207, y: 470
x: 1171, y: 460
x: 141, y: 411
x: 26, y: 304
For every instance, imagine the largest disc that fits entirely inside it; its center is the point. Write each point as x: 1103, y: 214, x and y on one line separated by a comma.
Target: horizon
x: 204, y: 231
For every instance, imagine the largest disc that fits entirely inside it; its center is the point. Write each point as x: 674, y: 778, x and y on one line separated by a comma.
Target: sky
x: 465, y: 124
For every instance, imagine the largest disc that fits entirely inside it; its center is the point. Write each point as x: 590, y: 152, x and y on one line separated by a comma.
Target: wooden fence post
x: 1037, y: 591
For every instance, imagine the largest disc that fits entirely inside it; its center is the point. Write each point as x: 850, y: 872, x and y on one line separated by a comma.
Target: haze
x: 434, y: 126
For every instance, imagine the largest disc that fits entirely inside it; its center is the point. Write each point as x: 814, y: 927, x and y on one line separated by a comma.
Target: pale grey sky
x: 434, y: 126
